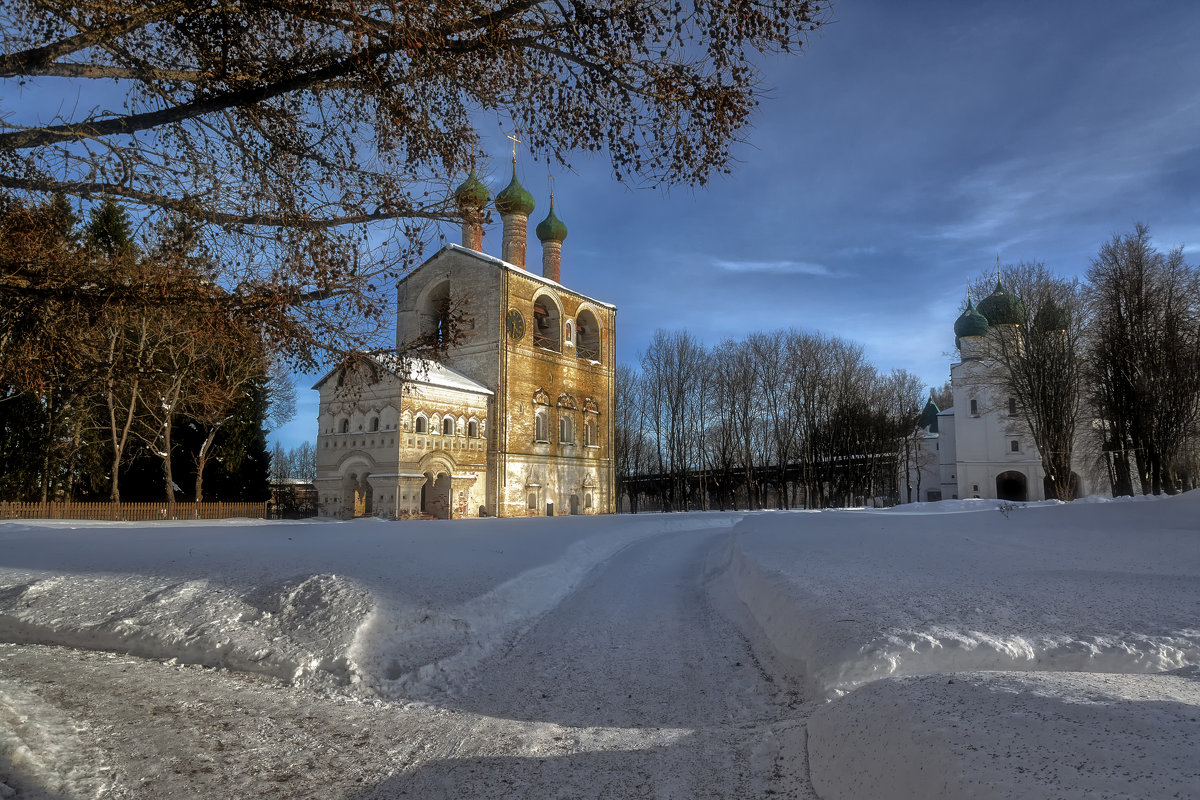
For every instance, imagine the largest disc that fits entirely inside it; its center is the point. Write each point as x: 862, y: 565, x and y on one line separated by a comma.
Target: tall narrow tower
x: 551, y: 231
x: 515, y: 205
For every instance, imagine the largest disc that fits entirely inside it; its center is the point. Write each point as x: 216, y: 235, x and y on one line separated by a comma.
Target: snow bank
x: 853, y: 597
x: 296, y: 630
x: 369, y: 607
x: 1011, y: 735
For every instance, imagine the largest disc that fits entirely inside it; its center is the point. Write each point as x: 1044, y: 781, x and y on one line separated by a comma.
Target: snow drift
x: 364, y: 630
x: 850, y: 597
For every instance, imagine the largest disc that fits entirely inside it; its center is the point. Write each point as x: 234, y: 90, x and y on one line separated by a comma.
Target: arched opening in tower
x: 588, y: 336
x: 1012, y: 486
x: 547, y: 328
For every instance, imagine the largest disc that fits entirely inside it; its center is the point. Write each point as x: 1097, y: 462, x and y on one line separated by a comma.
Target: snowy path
x: 639, y: 653
x: 632, y: 687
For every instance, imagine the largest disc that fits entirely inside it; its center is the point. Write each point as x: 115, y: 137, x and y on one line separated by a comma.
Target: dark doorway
x: 574, y: 504
x: 435, y: 496
x: 1012, y: 486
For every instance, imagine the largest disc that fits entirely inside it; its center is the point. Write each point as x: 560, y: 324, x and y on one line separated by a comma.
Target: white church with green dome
x: 981, y: 447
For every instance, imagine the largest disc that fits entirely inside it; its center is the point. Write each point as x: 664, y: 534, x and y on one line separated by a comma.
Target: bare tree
x: 289, y: 130
x: 1144, y: 358
x: 1041, y: 365
x: 630, y: 449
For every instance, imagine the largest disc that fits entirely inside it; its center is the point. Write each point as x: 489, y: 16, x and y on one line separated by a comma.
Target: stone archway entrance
x: 1012, y: 486
x: 435, y: 495
x: 356, y: 495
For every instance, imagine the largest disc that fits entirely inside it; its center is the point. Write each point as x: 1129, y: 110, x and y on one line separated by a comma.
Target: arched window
x: 473, y: 429
x: 420, y: 424
x: 448, y: 426
x: 589, y: 433
x: 974, y: 407
x: 566, y: 431
x: 435, y: 315
x: 587, y: 500
x: 547, y: 324
x: 587, y: 337
x: 345, y: 426
x: 539, y: 432
x: 1012, y: 406
x: 374, y: 424
x: 569, y: 328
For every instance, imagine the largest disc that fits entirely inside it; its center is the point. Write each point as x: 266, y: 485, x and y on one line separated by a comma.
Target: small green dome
x: 970, y: 323
x: 1002, y: 307
x: 1052, y: 317
x: 513, y: 199
x: 551, y: 229
x: 472, y: 193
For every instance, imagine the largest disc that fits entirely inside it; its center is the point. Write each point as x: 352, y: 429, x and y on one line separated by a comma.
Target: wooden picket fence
x: 131, y: 512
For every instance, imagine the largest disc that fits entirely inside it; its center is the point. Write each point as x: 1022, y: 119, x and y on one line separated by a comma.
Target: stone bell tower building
x: 515, y: 420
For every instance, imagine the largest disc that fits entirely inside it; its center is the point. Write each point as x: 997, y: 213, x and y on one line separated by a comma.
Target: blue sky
x: 907, y: 148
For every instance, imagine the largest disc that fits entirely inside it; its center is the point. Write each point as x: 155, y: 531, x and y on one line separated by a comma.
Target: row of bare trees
x: 1111, y: 364
x: 113, y: 352
x: 781, y: 418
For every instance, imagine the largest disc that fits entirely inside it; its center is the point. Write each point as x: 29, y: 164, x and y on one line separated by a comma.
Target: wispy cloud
x: 777, y: 267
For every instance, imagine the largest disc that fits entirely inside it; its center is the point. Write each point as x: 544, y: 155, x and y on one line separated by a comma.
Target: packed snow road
x: 633, y: 686
x: 963, y: 649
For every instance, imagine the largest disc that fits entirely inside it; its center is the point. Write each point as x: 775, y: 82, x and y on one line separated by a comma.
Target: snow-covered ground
x: 957, y: 649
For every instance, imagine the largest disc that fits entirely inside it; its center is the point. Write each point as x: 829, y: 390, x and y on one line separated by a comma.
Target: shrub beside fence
x: 132, y: 512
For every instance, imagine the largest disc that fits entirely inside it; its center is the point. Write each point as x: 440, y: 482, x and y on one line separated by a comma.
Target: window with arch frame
x: 589, y: 434
x: 473, y: 429
x: 587, y: 336
x: 374, y: 424
x: 448, y: 426
x: 420, y: 425
x: 345, y: 426
x: 547, y: 324
x: 540, y: 434
x: 566, y: 430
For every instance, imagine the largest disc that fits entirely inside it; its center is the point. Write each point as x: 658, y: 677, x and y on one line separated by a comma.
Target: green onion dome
x: 970, y: 323
x: 1002, y: 307
x: 472, y: 193
x: 551, y: 229
x: 513, y: 199
x: 1052, y: 317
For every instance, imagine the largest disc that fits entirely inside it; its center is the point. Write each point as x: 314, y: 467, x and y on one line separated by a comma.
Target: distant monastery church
x: 515, y: 420
x: 981, y: 447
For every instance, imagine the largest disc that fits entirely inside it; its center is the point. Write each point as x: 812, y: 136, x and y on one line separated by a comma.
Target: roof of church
x: 428, y: 371
x: 514, y: 199
x: 419, y: 370
x: 551, y: 229
x: 929, y: 415
x: 1002, y: 307
x: 499, y: 262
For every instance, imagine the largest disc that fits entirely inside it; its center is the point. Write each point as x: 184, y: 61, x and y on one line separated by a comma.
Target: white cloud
x: 777, y: 267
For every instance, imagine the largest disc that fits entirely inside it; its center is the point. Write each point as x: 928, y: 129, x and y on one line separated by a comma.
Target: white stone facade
x: 983, y: 446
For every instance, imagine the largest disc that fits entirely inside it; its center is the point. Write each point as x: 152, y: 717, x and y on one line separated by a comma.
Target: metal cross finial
x: 997, y: 267
x: 515, y: 142
x: 550, y: 178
